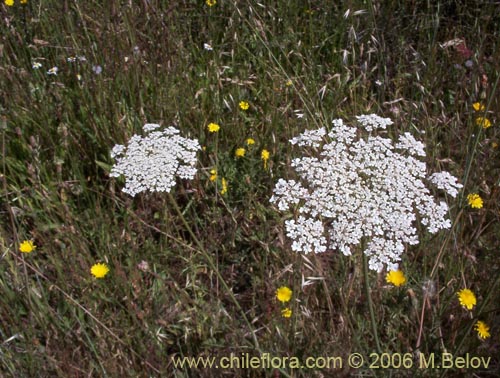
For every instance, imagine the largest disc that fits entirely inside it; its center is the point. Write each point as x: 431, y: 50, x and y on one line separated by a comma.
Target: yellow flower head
x: 24, y: 1
x: 286, y: 312
x: 210, y: 3
x: 244, y: 105
x: 224, y: 186
x: 99, y: 270
x: 9, y: 3
x: 284, y: 294
x: 250, y: 141
x: 213, y: 127
x: 213, y: 174
x: 467, y: 298
x: 27, y: 246
x: 265, y: 157
x: 475, y: 201
x: 395, y: 277
x: 289, y: 83
x: 240, y: 152
x: 484, y: 122
x: 482, y: 329
x: 478, y: 107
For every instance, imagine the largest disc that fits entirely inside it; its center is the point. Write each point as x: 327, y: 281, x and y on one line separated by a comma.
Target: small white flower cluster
x: 361, y: 191
x: 373, y: 121
x: 152, y: 162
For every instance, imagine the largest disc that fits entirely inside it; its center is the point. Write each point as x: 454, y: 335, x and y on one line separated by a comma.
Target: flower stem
x: 370, y: 303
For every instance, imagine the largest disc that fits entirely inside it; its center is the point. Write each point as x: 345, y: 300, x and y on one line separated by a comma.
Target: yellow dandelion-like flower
x: 286, y: 312
x: 9, y: 3
x: 494, y: 145
x: 467, y: 298
x: 250, y: 141
x: 478, y: 107
x: 24, y: 1
x: 240, y: 152
x: 213, y: 174
x: 484, y: 122
x: 224, y: 186
x: 483, y: 331
x: 213, y: 127
x: 475, y: 201
x: 265, y: 157
x: 284, y: 294
x: 211, y: 3
x: 99, y: 270
x: 27, y: 246
x: 395, y: 277
x: 288, y: 83
x: 244, y: 105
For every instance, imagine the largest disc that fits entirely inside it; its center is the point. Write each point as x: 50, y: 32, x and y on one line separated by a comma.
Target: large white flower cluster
x: 357, y: 188
x: 152, y: 162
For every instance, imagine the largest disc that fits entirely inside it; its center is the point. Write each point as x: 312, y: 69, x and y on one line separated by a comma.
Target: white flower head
x: 445, y: 181
x: 361, y: 189
x: 53, y: 71
x: 151, y: 163
x: 372, y: 122
x: 36, y: 65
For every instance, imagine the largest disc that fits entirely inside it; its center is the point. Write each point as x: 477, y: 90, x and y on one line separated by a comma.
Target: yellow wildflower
x: 265, y: 157
x: 250, y: 141
x: 396, y: 277
x: 484, y: 122
x: 286, y: 312
x: 213, y: 174
x: 211, y: 3
x: 213, y: 127
x: 244, y: 105
x: 240, y: 152
x: 9, y: 3
x: 284, y: 294
x: 99, y: 270
x: 475, y: 201
x: 467, y: 298
x: 224, y: 186
x: 478, y: 107
x: 27, y: 246
x: 24, y: 1
x: 482, y: 329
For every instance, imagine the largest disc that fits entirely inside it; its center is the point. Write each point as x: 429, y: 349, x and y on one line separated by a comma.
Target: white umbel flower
x: 356, y: 188
x: 152, y: 162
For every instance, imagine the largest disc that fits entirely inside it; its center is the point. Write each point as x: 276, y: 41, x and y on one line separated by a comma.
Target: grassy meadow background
x: 195, y: 273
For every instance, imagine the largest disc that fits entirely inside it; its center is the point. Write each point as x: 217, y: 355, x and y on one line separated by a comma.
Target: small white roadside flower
x: 151, y: 163
x: 36, y: 65
x: 207, y: 47
x: 357, y: 188
x: 71, y: 59
x: 53, y: 71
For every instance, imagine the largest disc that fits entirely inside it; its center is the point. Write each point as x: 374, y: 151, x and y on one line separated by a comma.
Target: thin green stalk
x: 370, y: 302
